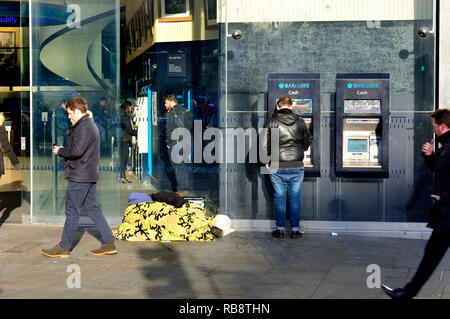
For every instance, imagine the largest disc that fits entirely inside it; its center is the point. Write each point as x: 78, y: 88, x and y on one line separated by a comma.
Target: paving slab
x: 242, y: 265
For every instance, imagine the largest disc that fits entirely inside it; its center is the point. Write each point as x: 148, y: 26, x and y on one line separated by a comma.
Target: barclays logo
x: 362, y: 85
x: 294, y: 85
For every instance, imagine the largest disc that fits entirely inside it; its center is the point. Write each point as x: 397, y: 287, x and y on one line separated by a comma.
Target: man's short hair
x: 77, y: 103
x: 284, y: 101
x: 171, y: 98
x: 125, y: 105
x: 442, y: 116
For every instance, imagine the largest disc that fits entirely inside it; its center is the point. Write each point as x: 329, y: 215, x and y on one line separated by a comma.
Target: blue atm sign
x: 373, y: 85
x: 294, y: 85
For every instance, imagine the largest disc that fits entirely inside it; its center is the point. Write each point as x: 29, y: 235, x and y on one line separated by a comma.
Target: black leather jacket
x: 293, y: 137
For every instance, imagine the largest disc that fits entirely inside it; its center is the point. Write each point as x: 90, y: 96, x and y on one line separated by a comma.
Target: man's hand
x: 56, y: 149
x: 168, y: 147
x: 427, y: 148
x: 268, y: 166
x: 435, y: 197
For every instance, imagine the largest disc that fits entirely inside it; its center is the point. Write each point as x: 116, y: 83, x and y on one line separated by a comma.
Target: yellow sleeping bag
x: 158, y: 221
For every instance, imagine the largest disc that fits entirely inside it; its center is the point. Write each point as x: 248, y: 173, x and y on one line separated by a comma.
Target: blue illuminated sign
x: 294, y: 85
x: 362, y: 85
x: 9, y: 19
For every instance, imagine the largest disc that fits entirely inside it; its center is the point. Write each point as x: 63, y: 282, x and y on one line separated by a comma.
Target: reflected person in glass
x: 128, y: 131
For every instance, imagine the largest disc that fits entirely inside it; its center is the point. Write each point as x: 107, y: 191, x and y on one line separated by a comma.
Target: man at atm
x: 287, y: 175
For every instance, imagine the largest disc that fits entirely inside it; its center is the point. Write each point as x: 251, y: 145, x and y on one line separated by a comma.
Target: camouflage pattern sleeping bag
x: 159, y: 221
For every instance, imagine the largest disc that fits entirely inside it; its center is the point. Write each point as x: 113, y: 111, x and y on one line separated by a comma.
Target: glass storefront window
x: 74, y: 52
x: 217, y: 64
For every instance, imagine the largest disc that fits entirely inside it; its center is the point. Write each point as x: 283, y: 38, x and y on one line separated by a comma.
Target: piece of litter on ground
x: 231, y: 230
x: 334, y: 234
x: 165, y: 241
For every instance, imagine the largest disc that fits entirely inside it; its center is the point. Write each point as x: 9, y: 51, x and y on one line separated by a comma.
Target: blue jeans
x: 287, y: 180
x: 79, y: 196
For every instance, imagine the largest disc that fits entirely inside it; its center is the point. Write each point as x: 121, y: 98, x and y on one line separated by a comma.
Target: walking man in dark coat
x: 439, y: 219
x: 81, y: 155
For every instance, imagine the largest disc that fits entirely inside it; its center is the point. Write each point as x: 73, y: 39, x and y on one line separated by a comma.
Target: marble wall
x: 328, y: 48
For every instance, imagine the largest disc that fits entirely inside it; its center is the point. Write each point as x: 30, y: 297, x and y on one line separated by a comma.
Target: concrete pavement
x: 242, y: 265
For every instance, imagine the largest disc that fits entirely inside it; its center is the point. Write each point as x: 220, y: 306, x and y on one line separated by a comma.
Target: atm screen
x: 362, y: 106
x: 357, y: 145
x: 300, y: 106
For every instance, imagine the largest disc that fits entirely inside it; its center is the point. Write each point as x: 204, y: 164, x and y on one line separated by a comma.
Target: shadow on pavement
x: 165, y: 273
x: 9, y: 201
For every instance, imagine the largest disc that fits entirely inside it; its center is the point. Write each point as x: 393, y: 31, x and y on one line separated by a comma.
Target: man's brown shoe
x: 106, y: 249
x: 56, y: 252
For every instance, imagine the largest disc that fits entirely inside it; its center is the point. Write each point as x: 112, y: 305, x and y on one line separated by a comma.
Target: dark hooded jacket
x: 294, y: 137
x: 169, y: 197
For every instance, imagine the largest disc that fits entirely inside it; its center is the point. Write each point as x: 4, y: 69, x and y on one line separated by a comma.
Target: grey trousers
x: 79, y: 196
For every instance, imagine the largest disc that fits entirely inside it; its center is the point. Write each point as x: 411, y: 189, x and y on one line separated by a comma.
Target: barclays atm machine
x: 304, y: 90
x: 362, y: 125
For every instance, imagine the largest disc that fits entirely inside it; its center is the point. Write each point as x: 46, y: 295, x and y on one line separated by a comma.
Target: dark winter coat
x: 293, y: 137
x: 439, y: 162
x: 177, y: 116
x: 168, y: 197
x: 82, y: 152
x: 6, y: 149
x: 127, y: 129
